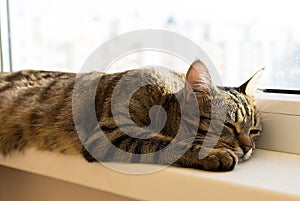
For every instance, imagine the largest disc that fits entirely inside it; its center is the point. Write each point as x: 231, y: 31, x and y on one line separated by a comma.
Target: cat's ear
x: 250, y: 86
x: 198, y: 79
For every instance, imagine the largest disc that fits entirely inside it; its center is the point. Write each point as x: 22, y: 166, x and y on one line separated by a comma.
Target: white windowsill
x: 278, y: 103
x: 268, y: 175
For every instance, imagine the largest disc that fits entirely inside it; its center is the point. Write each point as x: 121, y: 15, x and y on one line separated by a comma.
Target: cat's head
x: 241, y: 128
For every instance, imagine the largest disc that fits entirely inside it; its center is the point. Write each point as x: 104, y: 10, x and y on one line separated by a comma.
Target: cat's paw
x: 220, y: 160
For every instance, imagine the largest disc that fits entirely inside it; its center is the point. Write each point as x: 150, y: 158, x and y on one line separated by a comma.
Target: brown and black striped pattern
x: 36, y: 111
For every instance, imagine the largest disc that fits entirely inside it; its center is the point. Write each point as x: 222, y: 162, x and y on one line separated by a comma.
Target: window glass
x: 239, y: 36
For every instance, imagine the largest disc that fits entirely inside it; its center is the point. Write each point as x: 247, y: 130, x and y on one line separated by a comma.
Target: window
x: 240, y: 37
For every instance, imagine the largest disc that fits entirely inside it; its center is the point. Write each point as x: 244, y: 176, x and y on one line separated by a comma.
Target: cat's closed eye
x: 254, y: 131
x: 255, y: 134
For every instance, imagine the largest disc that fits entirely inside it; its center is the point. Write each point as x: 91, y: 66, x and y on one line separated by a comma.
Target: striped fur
x: 36, y: 111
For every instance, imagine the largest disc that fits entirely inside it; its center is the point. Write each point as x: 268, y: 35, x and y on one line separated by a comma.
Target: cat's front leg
x: 218, y: 159
x: 152, y: 151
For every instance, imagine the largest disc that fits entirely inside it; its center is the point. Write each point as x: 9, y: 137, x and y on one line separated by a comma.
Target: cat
x: 37, y: 110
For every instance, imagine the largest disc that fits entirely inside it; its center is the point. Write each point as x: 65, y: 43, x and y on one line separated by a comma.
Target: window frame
x: 280, y: 114
x: 5, y: 39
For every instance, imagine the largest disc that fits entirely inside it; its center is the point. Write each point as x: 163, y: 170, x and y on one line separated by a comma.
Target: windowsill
x: 268, y: 175
x: 278, y: 103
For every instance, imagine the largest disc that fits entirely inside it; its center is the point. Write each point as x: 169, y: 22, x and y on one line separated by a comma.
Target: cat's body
x: 36, y: 110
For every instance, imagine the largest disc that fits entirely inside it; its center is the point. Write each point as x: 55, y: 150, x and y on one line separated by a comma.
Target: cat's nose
x: 245, y: 143
x: 246, y: 148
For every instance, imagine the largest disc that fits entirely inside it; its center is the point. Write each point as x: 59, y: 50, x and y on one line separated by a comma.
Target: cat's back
x: 27, y: 95
x: 155, y: 76
x: 34, y: 86
x: 30, y: 78
x: 30, y: 90
x: 28, y: 87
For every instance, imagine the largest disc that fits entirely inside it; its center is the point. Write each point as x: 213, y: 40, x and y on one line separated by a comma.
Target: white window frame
x: 5, y: 56
x: 281, y: 133
x: 281, y: 122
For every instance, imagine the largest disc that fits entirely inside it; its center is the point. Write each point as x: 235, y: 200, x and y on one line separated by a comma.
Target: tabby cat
x: 37, y: 110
